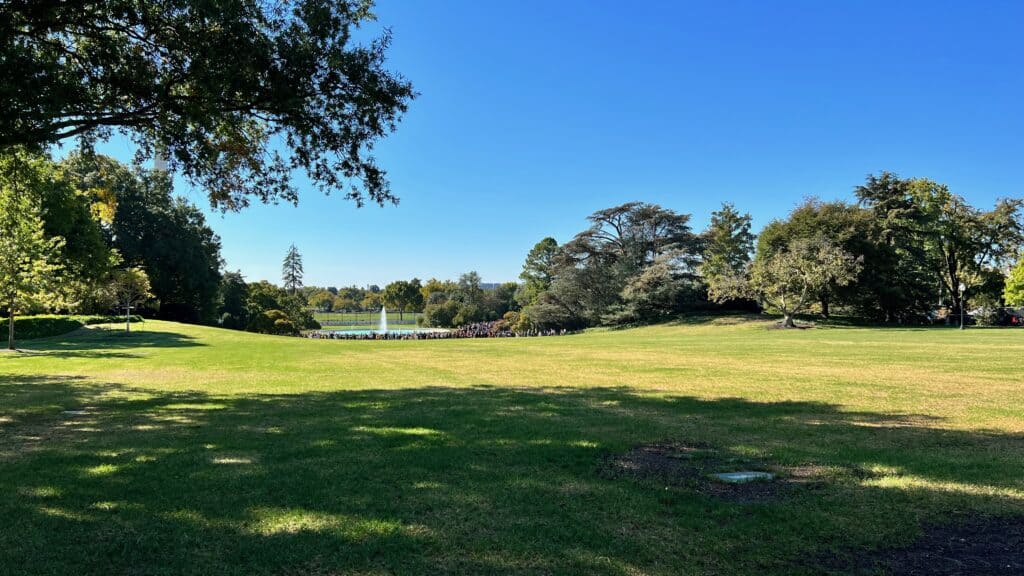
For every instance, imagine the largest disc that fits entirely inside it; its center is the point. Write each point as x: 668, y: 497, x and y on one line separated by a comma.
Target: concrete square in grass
x: 742, y: 477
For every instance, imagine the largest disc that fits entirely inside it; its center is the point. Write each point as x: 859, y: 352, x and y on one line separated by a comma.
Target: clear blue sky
x: 534, y: 114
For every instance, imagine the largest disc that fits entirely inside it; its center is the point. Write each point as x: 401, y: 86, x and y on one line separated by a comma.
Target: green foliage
x: 1014, y: 291
x: 441, y: 288
x: 403, y: 296
x: 234, y: 301
x: 273, y: 322
x: 344, y: 303
x: 469, y: 290
x: 897, y: 283
x: 289, y: 311
x: 29, y: 261
x: 321, y: 300
x: 81, y: 217
x: 153, y: 230
x: 68, y: 216
x: 371, y: 301
x: 165, y: 235
x: 789, y: 279
x: 848, y: 227
x: 468, y: 314
x: 441, y: 315
x: 728, y: 243
x: 449, y: 304
x: 501, y: 299
x: 538, y: 271
x: 964, y: 244
x: 659, y: 291
x: 68, y: 212
x: 131, y: 287
x: 592, y: 271
x: 213, y: 87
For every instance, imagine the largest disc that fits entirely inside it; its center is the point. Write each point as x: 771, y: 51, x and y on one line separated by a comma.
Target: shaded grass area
x: 409, y: 462
x: 45, y: 326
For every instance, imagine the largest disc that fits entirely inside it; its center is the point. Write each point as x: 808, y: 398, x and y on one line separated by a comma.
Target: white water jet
x: 383, y: 328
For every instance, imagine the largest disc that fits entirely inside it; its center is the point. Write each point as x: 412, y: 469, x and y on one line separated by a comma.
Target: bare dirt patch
x: 691, y: 465
x: 978, y: 545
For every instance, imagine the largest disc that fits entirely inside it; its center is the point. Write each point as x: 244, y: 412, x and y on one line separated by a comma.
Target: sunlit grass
x: 185, y: 449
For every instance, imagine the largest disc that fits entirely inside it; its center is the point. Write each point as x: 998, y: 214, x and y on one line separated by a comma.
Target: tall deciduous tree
x: 962, y: 243
x: 77, y: 216
x: 72, y: 214
x: 28, y: 259
x: 291, y: 270
x: 170, y: 239
x: 321, y: 300
x: 789, y: 279
x: 402, y: 296
x: 897, y: 281
x: 218, y: 88
x: 845, y: 225
x: 152, y: 229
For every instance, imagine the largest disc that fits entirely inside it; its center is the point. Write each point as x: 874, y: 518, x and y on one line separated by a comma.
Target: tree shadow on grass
x: 455, y: 480
x: 107, y: 342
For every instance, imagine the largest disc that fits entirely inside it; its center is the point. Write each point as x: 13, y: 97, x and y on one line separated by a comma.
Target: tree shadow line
x: 451, y: 480
x: 107, y: 342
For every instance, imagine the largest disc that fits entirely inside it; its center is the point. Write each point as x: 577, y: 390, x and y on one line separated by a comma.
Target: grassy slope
x: 46, y: 325
x: 209, y: 451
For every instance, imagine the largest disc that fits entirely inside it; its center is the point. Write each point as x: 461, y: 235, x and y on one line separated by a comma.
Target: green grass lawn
x: 205, y: 451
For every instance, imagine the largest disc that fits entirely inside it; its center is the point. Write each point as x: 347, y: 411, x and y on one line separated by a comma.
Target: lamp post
x: 962, y: 289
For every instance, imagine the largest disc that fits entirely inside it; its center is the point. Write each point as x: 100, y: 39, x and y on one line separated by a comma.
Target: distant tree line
x: 443, y: 303
x: 907, y: 249
x: 88, y: 234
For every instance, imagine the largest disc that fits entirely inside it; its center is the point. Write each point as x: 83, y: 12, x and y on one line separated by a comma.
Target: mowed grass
x: 205, y: 451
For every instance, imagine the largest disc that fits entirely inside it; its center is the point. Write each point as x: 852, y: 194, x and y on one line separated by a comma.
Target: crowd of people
x: 497, y: 329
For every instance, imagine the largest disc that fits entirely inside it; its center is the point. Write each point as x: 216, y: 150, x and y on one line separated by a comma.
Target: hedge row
x: 44, y: 326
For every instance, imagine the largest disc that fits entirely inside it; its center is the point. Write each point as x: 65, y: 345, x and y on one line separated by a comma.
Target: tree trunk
x: 963, y: 310
x: 127, y: 320
x: 824, y: 306
x: 787, y: 321
x: 10, y: 327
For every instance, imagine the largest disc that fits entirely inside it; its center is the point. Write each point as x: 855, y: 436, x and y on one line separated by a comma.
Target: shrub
x: 45, y: 326
x: 273, y: 322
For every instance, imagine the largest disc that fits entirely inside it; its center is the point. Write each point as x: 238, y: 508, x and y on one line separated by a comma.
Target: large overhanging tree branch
x: 238, y: 94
